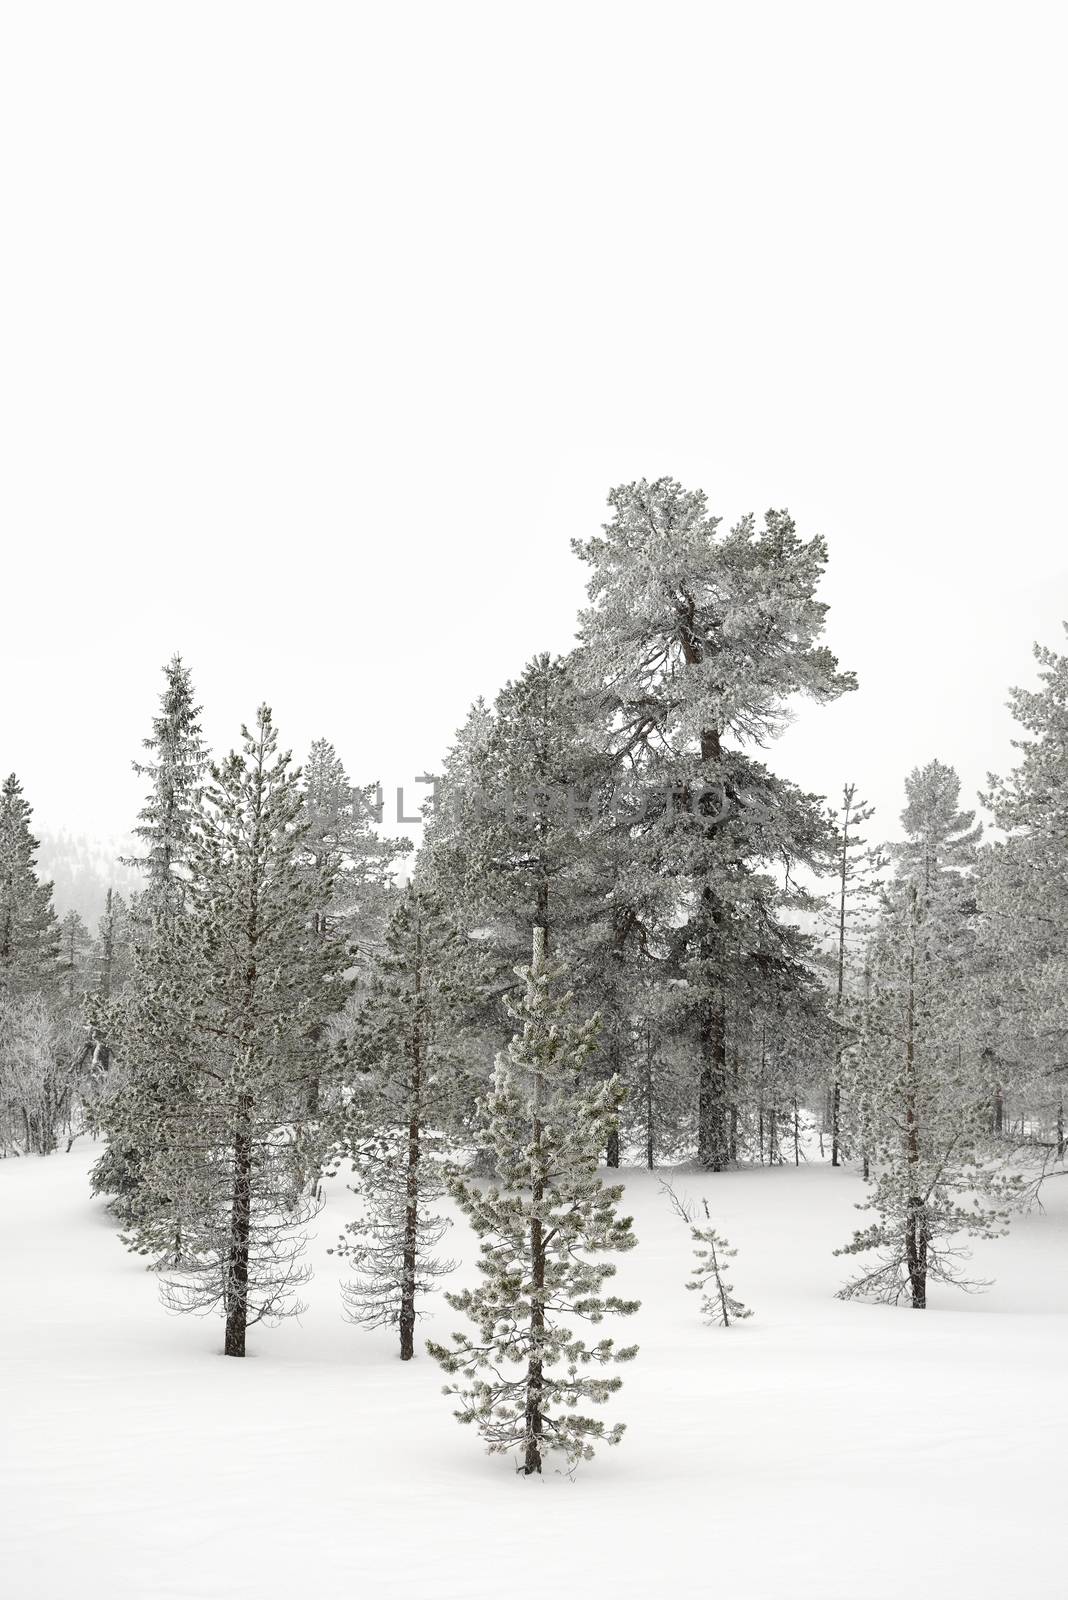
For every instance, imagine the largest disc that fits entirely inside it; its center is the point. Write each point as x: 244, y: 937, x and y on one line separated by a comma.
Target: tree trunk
x: 533, y: 1420
x: 916, y: 1236
x: 240, y: 1227
x: 650, y: 1126
x: 411, y: 1195
x: 411, y: 1222
x: 916, y: 1242
x: 712, y: 1126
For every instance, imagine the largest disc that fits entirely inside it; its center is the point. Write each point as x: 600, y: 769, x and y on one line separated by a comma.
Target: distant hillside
x: 84, y: 869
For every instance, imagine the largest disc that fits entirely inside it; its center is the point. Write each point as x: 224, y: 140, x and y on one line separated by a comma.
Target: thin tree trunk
x: 916, y: 1237
x: 650, y: 1127
x: 240, y: 1227
x: 533, y: 1420
x: 712, y: 1136
x: 411, y: 1205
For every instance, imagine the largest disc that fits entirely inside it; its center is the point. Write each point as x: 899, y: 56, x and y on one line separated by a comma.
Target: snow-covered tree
x: 29, y: 933
x: 344, y: 851
x: 395, y: 1126
x: 719, y: 1304
x: 344, y: 848
x: 40, y: 1073
x: 856, y: 869
x: 696, y: 640
x: 217, y: 1030
x: 520, y: 833
x: 75, y: 942
x: 544, y: 1229
x: 175, y: 771
x: 918, y: 1061
x: 1022, y: 888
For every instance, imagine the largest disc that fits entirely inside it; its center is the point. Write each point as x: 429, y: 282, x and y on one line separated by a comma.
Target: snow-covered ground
x: 820, y: 1449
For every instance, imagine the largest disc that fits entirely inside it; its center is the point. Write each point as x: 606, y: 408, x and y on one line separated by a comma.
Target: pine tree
x: 29, y: 933
x: 344, y: 848
x: 855, y: 866
x: 697, y: 640
x: 218, y: 1024
x: 543, y: 1229
x: 513, y: 839
x: 343, y: 851
x: 919, y: 1062
x: 175, y: 774
x: 393, y: 1129
x: 712, y: 1251
x: 1022, y: 888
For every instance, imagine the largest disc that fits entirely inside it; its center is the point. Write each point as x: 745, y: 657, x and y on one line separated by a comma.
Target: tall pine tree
x: 697, y: 640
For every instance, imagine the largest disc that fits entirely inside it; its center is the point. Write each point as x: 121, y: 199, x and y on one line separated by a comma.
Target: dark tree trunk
x: 411, y: 1206
x: 712, y: 1094
x: 916, y: 1235
x: 411, y: 1221
x: 240, y: 1227
x: 650, y: 1126
x: 916, y: 1242
x: 532, y: 1418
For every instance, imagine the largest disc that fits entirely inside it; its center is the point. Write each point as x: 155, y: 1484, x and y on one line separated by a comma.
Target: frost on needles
x: 544, y: 1229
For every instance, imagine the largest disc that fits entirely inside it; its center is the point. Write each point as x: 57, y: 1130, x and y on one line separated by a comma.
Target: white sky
x: 325, y: 327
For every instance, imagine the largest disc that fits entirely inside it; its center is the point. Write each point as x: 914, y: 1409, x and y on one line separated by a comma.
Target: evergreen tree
x: 343, y: 851
x: 75, y: 943
x: 543, y: 1229
x: 918, y: 1059
x: 1022, y: 888
x: 855, y: 865
x: 29, y: 933
x: 697, y: 640
x: 712, y: 1251
x: 166, y: 826
x: 175, y: 773
x: 394, y: 1127
x: 224, y: 1004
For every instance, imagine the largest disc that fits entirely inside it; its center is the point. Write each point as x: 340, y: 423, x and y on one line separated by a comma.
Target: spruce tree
x: 175, y: 773
x: 29, y: 933
x: 544, y: 1228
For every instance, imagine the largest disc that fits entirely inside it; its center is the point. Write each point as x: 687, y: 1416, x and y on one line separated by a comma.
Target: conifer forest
x: 491, y: 938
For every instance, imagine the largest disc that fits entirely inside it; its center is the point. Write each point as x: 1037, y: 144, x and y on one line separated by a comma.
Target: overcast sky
x: 325, y: 328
